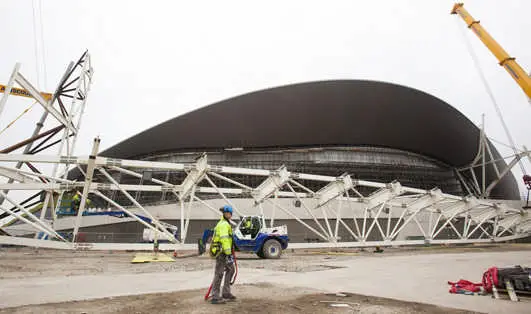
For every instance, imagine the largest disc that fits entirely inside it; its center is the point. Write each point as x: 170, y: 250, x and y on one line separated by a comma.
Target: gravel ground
x: 258, y: 298
x: 27, y: 262
x: 18, y: 263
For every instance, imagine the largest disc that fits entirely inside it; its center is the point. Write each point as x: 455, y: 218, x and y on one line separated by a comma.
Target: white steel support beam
x: 83, y: 88
x: 503, y: 232
x: 302, y: 187
x: 271, y: 185
x: 375, y: 221
x: 36, y: 222
x: 325, y: 216
x: 384, y: 195
x: 132, y: 199
x: 241, y: 185
x: 86, y: 187
x: 100, y: 161
x: 29, y: 222
x: 36, y: 243
x: 195, y: 175
x: 478, y: 226
x: 338, y: 217
x: 44, y: 208
x: 484, y: 232
x: 31, y: 175
x: 413, y: 208
x: 420, y: 227
x: 181, y: 221
x: 273, y: 212
x: 380, y: 229
x: 354, y: 216
x: 334, y: 189
x: 454, y: 228
x: 309, y: 211
x: 24, y: 83
x: 261, y: 212
x: 508, y: 222
x: 298, y: 219
x: 357, y: 193
x: 505, y: 171
x: 138, y: 175
x: 220, y: 192
x: 190, y: 202
x: 16, y: 176
x: 476, y: 183
x: 525, y: 226
x: 43, y: 159
x: 487, y: 146
x: 9, y: 86
x: 389, y: 217
x: 461, y: 207
x: 463, y: 181
x: 452, y: 211
x: 215, y: 211
x: 347, y: 227
x: 125, y: 210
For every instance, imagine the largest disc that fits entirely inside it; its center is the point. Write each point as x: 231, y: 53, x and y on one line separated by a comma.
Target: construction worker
x: 246, y: 226
x: 221, y: 249
x: 76, y: 201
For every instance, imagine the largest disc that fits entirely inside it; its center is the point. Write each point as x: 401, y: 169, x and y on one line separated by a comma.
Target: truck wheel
x: 272, y: 249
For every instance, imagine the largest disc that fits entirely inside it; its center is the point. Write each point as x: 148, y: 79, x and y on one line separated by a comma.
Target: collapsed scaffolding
x: 387, y: 208
x: 484, y: 221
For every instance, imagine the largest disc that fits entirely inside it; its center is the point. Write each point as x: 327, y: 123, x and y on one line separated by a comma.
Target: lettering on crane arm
x: 22, y: 92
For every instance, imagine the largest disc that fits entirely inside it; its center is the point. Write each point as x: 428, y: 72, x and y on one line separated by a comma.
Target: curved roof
x: 325, y: 113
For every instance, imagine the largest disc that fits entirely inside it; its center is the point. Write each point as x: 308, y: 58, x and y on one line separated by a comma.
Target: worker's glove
x: 230, y: 259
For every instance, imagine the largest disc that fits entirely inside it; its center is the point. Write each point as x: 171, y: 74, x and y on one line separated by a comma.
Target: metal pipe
x: 31, y: 139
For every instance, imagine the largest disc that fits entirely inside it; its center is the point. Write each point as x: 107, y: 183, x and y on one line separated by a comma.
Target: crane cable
x: 35, y: 46
x: 37, y: 67
x: 491, y: 95
x: 40, y: 58
x: 504, y: 144
x: 43, y: 49
x: 18, y: 117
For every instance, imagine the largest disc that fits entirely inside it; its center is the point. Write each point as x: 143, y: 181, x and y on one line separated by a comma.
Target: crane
x: 506, y: 61
x: 24, y: 93
x: 510, y: 64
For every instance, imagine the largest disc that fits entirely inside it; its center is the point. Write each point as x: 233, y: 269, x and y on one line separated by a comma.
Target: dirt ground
x: 27, y: 262
x: 259, y: 298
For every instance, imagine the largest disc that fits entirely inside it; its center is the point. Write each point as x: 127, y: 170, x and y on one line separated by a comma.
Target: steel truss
x: 377, y: 217
x: 473, y: 177
x: 65, y: 106
x: 385, y: 212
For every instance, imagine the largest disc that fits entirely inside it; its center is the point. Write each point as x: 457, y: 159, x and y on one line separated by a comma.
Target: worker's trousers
x: 222, y: 268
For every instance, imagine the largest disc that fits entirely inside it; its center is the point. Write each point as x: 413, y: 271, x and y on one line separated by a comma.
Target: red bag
x: 463, y: 286
x: 490, y: 278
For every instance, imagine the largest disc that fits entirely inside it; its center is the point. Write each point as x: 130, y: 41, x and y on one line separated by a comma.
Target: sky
x: 155, y: 60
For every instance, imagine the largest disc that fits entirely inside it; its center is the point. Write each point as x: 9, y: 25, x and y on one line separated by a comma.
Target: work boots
x: 229, y: 297
x: 217, y: 301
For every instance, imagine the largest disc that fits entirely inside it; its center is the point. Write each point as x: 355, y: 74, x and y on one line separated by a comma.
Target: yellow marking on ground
x: 151, y: 257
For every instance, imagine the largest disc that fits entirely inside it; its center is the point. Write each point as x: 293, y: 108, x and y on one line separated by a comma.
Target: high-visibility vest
x: 222, y: 239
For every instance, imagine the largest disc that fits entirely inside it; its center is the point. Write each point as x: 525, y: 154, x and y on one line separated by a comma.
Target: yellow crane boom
x: 24, y: 93
x: 506, y: 61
